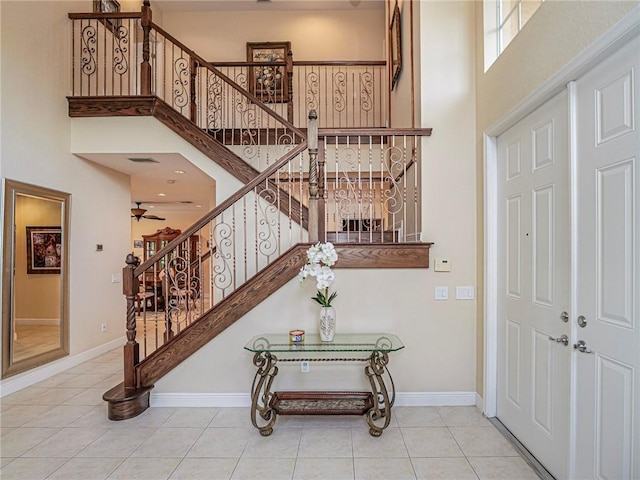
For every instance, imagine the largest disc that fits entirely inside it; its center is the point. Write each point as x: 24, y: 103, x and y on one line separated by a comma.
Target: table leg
x: 379, y: 416
x: 263, y: 417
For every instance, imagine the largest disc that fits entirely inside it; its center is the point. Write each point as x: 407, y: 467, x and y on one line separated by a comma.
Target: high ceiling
x: 264, y: 5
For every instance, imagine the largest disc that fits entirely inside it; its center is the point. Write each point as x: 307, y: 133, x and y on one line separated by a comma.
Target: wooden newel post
x: 131, y: 348
x: 312, y: 141
x: 145, y: 67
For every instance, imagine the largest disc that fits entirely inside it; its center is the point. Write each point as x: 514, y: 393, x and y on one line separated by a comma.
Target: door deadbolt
x: 564, y: 316
x: 582, y: 321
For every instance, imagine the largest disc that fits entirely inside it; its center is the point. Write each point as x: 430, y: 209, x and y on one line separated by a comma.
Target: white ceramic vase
x: 327, y: 323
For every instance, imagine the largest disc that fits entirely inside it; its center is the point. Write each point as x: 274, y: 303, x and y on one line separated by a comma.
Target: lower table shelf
x: 322, y: 403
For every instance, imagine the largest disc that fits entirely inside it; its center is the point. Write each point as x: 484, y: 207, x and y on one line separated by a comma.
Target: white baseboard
x: 479, y: 402
x: 38, y: 321
x: 408, y: 399
x: 26, y: 379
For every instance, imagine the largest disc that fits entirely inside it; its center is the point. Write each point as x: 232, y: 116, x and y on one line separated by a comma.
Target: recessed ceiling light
x: 171, y: 181
x: 151, y: 206
x: 198, y: 206
x: 179, y: 172
x: 162, y: 194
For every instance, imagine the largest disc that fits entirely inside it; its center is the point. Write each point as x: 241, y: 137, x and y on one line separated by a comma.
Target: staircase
x: 357, y: 187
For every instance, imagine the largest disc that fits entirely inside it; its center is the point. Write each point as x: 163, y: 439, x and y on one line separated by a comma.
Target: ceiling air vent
x: 143, y: 160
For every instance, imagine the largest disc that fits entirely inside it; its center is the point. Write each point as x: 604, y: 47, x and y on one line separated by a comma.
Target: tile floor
x: 58, y: 429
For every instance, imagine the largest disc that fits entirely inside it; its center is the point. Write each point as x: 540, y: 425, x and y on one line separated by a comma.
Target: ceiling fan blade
x: 153, y: 217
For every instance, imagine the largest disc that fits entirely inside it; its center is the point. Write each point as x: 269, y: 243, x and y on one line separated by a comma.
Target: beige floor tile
x: 323, y: 469
x: 482, y: 442
x: 283, y: 443
x: 418, y: 417
x: 30, y: 468
x: 221, y: 443
x: 389, y: 444
x: 55, y: 396
x: 335, y: 421
x: 502, y: 468
x: 205, y: 469
x: 4, y: 431
x: 21, y: 440
x: 326, y: 442
x: 86, y: 469
x: 191, y: 417
x: 383, y: 469
x: 117, y: 442
x: 5, y: 407
x: 152, y: 417
x: 5, y: 460
x: 290, y: 421
x: 25, y: 396
x: 56, y: 380
x: 430, y: 442
x: 59, y: 416
x: 443, y: 469
x: 168, y: 442
x: 273, y: 469
x: 89, y: 397
x: 232, y: 417
x: 109, y: 382
x: 67, y: 442
x: 97, y: 418
x: 463, y: 417
x: 86, y: 380
x: 144, y: 469
x: 21, y: 414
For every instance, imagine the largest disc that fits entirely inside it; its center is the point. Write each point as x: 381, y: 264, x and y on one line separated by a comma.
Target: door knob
x: 581, y: 346
x: 563, y: 339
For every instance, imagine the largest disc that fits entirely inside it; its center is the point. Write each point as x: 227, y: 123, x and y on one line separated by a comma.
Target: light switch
x: 116, y: 277
x: 442, y: 265
x: 464, y: 293
x: 442, y: 293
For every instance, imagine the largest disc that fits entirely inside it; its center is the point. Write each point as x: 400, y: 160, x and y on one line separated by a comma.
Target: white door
x: 607, y: 427
x: 534, y: 283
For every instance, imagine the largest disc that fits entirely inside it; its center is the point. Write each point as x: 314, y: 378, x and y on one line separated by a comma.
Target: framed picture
x: 44, y: 249
x: 269, y: 83
x: 137, y: 244
x: 108, y: 6
x: 395, y: 36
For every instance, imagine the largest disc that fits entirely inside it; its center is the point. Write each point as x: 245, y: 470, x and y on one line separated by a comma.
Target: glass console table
x: 371, y: 348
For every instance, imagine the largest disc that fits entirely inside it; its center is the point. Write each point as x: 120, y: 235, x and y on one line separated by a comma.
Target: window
x: 512, y: 15
x: 503, y: 19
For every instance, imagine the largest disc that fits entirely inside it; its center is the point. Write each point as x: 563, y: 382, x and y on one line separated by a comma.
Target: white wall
x: 556, y: 34
x: 327, y: 35
x: 35, y: 129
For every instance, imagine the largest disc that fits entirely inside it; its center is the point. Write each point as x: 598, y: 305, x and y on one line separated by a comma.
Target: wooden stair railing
x: 183, y: 93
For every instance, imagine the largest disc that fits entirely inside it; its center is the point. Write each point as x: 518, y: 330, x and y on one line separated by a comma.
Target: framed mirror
x: 35, y: 277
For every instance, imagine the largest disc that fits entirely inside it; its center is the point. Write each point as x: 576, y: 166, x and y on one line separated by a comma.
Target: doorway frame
x: 618, y: 35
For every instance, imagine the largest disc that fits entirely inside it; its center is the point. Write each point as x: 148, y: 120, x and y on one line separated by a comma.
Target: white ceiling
x: 245, y: 5
x: 149, y: 179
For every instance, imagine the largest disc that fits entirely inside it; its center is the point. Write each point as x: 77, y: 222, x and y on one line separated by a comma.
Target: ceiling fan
x: 139, y: 213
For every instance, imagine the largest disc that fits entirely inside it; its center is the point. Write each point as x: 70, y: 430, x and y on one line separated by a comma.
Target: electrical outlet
x: 103, y: 327
x: 304, y: 367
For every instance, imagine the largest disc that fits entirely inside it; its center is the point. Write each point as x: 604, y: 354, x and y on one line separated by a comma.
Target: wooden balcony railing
x: 344, y: 94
